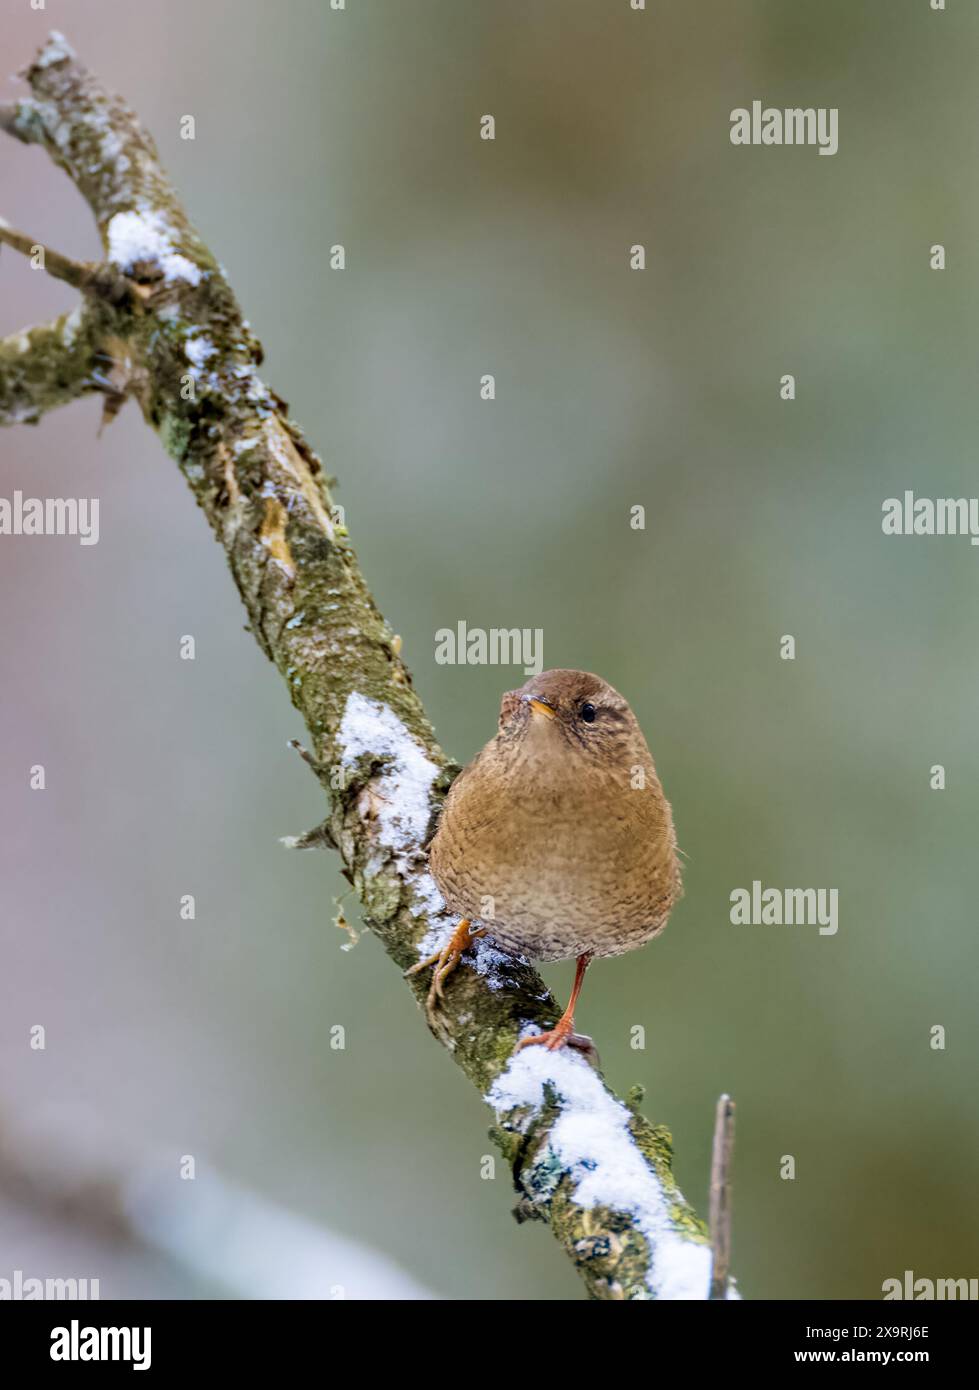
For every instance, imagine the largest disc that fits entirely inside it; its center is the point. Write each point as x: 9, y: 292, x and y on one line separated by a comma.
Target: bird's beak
x: 540, y: 706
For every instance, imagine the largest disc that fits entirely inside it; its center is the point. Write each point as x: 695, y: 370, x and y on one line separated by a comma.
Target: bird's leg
x: 445, y: 961
x: 563, y: 1034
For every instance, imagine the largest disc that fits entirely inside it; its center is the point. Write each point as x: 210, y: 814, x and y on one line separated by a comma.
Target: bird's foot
x: 445, y: 961
x: 561, y: 1035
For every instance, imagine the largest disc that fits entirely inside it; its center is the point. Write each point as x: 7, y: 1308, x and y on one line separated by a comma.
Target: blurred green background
x: 614, y: 388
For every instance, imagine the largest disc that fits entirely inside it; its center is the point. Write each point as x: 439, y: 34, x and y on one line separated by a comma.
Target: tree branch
x: 76, y: 273
x: 47, y: 366
x: 722, y: 1154
x: 581, y: 1159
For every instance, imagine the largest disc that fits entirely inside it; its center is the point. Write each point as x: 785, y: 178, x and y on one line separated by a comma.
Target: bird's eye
x: 588, y: 713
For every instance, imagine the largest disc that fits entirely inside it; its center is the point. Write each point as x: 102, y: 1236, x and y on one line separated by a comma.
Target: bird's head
x: 571, y: 709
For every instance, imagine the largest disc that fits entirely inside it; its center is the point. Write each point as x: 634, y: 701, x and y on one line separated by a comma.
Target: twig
x: 720, y: 1197
x: 592, y: 1167
x: 76, y: 273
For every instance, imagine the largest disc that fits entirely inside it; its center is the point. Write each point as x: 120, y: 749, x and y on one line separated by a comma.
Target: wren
x: 557, y: 839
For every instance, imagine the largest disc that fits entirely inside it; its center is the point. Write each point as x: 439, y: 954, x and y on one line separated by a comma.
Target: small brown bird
x: 557, y: 839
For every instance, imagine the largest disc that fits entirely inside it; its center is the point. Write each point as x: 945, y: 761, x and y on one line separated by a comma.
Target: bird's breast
x: 554, y: 870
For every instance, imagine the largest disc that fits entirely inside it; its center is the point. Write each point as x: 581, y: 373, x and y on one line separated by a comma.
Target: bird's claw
x: 563, y: 1035
x: 445, y: 961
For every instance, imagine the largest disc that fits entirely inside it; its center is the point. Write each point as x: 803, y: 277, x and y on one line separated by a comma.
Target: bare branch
x: 76, y: 273
x: 720, y: 1197
x: 582, y: 1160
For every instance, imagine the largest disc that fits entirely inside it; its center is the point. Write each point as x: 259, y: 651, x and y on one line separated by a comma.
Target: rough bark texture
x: 160, y: 323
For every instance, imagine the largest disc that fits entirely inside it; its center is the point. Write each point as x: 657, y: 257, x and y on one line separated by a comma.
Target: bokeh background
x: 614, y: 388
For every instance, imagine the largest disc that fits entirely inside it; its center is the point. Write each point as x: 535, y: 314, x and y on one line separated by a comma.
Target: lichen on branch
x: 47, y: 366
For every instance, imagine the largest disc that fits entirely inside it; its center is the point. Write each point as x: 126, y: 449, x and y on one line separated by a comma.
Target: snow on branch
x: 159, y: 323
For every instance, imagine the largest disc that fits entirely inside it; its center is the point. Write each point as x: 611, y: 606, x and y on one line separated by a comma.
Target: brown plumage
x: 557, y: 838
